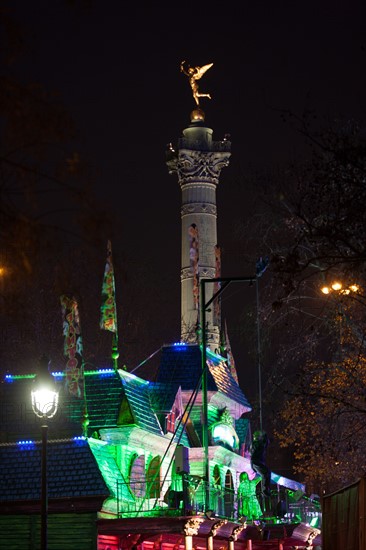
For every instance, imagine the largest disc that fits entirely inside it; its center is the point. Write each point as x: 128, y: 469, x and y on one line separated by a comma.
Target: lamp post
x: 341, y: 290
x: 260, y: 268
x: 44, y: 404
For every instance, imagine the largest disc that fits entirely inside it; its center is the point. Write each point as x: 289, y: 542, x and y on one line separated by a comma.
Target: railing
x: 200, y: 145
x: 175, y: 498
x: 305, y: 511
x: 182, y: 498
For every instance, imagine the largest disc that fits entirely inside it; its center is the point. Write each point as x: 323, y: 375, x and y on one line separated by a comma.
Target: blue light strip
x: 105, y: 371
x: 12, y: 377
x: 56, y: 374
x: 79, y: 440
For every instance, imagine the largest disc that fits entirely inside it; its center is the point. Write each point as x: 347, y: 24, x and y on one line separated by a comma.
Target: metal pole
x: 261, y: 266
x: 259, y: 351
x: 204, y: 394
x: 44, y: 495
x: 204, y: 306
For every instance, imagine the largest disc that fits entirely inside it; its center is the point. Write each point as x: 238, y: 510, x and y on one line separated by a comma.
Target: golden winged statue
x: 194, y: 74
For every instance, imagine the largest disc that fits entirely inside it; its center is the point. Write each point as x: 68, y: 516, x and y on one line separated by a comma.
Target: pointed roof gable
x: 137, y: 392
x: 163, y: 397
x: 226, y: 383
x: 182, y: 364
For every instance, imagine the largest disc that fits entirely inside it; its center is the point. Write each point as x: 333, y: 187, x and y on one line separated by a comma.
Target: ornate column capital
x: 216, y: 526
x: 192, y: 526
x: 200, y: 165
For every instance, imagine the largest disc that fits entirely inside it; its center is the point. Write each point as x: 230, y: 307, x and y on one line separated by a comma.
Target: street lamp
x: 44, y: 404
x: 338, y: 287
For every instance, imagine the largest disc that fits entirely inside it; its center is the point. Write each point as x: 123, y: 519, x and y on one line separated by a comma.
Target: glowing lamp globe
x: 336, y: 286
x: 44, y: 393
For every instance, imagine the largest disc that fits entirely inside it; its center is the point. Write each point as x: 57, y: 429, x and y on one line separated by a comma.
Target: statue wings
x: 200, y: 71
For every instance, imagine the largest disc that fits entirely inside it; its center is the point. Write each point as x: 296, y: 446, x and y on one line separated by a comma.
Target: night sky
x: 116, y: 68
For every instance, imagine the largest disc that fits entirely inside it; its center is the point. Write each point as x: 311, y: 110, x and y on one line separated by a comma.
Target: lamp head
x: 44, y: 392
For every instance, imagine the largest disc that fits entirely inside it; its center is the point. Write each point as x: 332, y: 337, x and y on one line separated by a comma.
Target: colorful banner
x: 176, y: 412
x: 194, y: 258
x: 73, y: 347
x: 108, y: 317
x: 230, y: 357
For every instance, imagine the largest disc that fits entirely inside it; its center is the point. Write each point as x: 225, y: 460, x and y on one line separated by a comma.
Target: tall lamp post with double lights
x: 44, y: 404
x: 343, y: 290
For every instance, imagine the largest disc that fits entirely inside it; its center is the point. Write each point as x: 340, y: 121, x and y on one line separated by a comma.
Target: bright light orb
x: 44, y: 393
x: 45, y: 402
x: 354, y: 288
x: 336, y: 286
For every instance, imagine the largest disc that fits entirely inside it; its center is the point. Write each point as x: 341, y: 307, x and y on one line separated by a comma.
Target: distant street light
x: 44, y: 405
x: 338, y: 287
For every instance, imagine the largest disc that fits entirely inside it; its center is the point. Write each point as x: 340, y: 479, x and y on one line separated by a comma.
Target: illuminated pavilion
x: 156, y: 466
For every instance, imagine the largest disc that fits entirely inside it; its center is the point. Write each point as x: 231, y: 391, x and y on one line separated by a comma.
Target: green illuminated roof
x: 138, y: 394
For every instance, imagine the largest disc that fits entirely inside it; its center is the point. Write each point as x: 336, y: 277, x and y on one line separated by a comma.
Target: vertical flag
x: 176, y: 412
x: 108, y: 314
x: 230, y: 357
x: 73, y: 347
x: 170, y: 421
x: 108, y: 309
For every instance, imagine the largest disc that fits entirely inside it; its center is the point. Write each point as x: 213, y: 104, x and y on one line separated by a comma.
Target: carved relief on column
x: 189, y: 332
x: 207, y: 273
x: 192, y: 526
x: 198, y: 208
x: 193, y: 165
